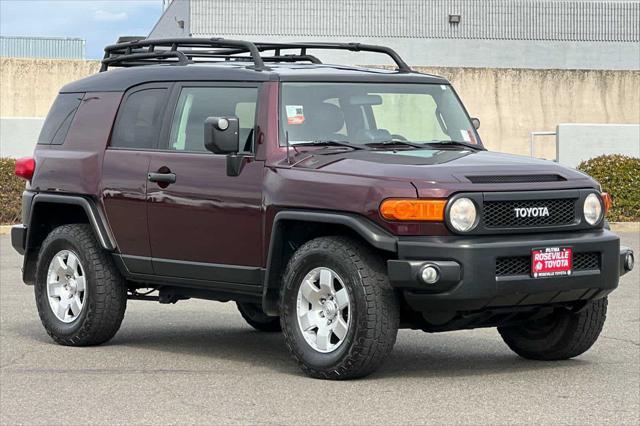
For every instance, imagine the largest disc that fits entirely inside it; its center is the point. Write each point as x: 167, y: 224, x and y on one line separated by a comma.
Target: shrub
x: 619, y: 175
x: 11, y: 188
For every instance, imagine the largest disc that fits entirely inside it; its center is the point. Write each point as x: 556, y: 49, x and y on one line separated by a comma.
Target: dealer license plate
x: 551, y: 262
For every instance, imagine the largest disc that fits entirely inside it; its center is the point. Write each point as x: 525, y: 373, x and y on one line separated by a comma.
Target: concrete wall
x: 579, y: 142
x: 510, y: 103
x: 29, y: 86
x: 18, y: 136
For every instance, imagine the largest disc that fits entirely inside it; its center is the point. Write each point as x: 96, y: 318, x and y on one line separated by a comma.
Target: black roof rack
x: 181, y: 51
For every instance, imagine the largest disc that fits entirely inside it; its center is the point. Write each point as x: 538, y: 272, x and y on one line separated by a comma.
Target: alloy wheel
x: 323, y: 310
x: 66, y: 286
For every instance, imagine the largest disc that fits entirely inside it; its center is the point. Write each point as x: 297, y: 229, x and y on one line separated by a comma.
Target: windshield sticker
x: 295, y: 114
x: 472, y: 137
x: 465, y: 135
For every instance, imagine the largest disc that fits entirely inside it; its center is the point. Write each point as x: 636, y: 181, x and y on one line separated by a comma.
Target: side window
x: 139, y: 120
x: 414, y: 116
x: 55, y: 128
x: 195, y: 104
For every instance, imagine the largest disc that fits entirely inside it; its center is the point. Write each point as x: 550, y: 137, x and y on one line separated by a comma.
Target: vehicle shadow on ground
x: 458, y: 357
x: 415, y: 355
x: 449, y: 362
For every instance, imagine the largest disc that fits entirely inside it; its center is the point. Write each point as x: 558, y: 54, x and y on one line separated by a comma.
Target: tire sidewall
x: 352, y: 282
x: 48, y: 251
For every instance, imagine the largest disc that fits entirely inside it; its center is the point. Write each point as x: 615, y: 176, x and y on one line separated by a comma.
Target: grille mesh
x: 506, y: 266
x: 586, y: 261
x: 501, y: 214
x: 515, y: 178
x: 521, y: 265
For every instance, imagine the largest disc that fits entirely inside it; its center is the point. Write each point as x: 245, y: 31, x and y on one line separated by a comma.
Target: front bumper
x: 469, y: 280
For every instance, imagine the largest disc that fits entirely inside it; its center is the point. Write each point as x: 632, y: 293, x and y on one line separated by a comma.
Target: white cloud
x: 105, y: 16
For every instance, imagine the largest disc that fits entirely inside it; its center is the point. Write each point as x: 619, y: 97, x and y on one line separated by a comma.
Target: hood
x: 451, y: 170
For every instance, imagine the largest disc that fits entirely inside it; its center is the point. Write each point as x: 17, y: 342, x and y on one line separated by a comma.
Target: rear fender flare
x: 97, y: 220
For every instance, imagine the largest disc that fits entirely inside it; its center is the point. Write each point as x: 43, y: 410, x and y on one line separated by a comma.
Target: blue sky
x: 99, y: 22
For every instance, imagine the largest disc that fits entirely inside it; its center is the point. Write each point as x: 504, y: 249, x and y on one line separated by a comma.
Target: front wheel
x: 339, y: 314
x: 561, y: 335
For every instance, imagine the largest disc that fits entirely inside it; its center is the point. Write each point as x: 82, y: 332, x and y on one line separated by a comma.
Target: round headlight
x: 462, y: 214
x: 592, y: 209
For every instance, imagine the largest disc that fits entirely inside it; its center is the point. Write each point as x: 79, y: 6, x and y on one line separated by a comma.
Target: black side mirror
x: 222, y: 135
x: 475, y: 122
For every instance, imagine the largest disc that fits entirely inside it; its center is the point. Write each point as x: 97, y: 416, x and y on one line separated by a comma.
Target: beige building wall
x: 510, y: 103
x: 29, y: 86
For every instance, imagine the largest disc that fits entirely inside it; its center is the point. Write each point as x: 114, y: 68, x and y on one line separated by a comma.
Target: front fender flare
x: 369, y: 231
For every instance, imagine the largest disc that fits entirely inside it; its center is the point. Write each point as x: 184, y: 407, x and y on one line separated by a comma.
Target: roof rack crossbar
x: 119, y: 54
x: 274, y: 58
x: 271, y: 58
x: 182, y: 58
x: 353, y: 47
x: 129, y: 53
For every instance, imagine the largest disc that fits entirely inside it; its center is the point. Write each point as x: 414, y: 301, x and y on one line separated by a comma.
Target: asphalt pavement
x: 198, y: 362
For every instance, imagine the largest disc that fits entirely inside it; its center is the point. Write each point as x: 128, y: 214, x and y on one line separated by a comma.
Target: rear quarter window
x: 139, y: 120
x: 56, y: 125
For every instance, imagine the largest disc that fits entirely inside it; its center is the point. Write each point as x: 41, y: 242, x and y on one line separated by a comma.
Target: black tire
x: 374, y: 309
x: 106, y: 293
x: 256, y: 318
x: 561, y: 335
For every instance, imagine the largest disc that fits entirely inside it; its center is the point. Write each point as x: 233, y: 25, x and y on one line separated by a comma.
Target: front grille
x: 507, y: 266
x: 515, y: 178
x: 502, y: 214
x: 586, y: 261
x: 521, y: 265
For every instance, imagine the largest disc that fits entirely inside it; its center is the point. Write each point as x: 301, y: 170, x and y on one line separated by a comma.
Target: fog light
x: 629, y: 261
x: 430, y: 274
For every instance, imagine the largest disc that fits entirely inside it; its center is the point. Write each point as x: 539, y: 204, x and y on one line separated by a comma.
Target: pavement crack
x: 621, y: 340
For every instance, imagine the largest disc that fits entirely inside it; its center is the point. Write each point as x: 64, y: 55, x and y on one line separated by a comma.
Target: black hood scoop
x: 516, y: 178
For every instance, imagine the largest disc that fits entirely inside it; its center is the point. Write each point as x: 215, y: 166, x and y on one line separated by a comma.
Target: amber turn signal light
x: 413, y: 210
x: 607, y: 201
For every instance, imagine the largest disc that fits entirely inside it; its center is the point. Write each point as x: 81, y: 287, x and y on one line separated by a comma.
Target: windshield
x: 366, y: 113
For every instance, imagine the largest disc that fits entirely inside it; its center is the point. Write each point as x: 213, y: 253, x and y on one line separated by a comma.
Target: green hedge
x: 620, y: 177
x: 11, y: 188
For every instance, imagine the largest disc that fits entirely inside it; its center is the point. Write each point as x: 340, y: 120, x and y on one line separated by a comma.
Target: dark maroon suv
x: 334, y: 203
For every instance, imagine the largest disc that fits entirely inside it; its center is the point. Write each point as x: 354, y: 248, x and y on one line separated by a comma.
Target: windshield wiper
x: 391, y: 142
x: 457, y: 143
x: 329, y: 143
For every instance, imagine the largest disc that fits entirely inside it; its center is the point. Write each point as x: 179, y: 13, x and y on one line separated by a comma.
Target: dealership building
x: 539, y: 34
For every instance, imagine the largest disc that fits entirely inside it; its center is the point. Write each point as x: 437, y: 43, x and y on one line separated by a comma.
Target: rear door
x: 205, y: 225
x: 124, y: 171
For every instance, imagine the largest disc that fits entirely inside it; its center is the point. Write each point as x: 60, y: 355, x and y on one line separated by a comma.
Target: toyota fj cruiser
x: 335, y: 203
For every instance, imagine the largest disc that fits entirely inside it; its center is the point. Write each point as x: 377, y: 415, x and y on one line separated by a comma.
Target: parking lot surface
x: 198, y: 362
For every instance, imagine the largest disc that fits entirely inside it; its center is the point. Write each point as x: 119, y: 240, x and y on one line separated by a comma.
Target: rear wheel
x: 339, y: 313
x: 561, y: 335
x: 256, y: 318
x: 80, y: 295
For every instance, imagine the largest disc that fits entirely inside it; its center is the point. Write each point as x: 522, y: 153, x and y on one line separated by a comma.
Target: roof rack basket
x: 182, y: 51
